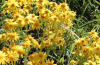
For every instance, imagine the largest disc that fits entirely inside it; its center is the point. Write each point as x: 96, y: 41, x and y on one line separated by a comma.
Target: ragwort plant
x: 40, y: 32
x: 23, y: 42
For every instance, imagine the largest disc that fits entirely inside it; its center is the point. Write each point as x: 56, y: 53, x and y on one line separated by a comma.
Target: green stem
x: 62, y: 50
x: 25, y: 57
x: 89, y: 22
x: 73, y: 33
x: 44, y: 31
x: 38, y: 33
x: 69, y: 55
x: 14, y: 63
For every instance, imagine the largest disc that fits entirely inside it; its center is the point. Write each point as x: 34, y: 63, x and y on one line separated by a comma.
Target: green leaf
x: 62, y: 60
x: 97, y: 2
x: 1, y: 22
x: 85, y: 9
x: 94, y: 20
x: 3, y: 1
x: 1, y: 8
x: 90, y: 2
x: 84, y: 2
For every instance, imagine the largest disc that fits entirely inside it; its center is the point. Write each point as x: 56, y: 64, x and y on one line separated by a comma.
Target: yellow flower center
x: 12, y: 4
x: 20, y: 51
x: 1, y: 57
x: 50, y: 64
x: 3, y: 36
x: 46, y: 11
x: 40, y: 1
x: 63, y: 5
x: 12, y: 35
x: 19, y: 21
x: 11, y: 57
x: 40, y: 7
x: 41, y: 55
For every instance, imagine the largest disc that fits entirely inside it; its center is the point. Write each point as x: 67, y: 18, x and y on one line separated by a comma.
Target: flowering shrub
x: 26, y: 16
x: 40, y: 32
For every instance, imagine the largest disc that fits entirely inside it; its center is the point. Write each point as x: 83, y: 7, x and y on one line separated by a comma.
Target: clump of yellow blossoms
x: 87, y: 50
x: 2, y: 57
x: 33, y: 15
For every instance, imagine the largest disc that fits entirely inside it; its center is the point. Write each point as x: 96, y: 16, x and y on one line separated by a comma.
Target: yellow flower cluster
x: 13, y: 36
x: 39, y: 59
x: 87, y: 49
x: 26, y: 15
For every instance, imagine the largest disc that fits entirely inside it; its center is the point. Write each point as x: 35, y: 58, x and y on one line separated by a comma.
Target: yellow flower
x: 64, y: 7
x: 42, y: 17
x: 54, y: 19
x: 30, y: 1
x: 26, y: 44
x: 2, y: 57
x: 10, y: 25
x: 17, y: 15
x: 43, y: 2
x: 89, y: 62
x: 12, y: 36
x: 53, y: 4
x: 73, y: 62
x: 35, y: 43
x: 41, y: 55
x: 41, y: 62
x: 32, y: 17
x: 59, y: 41
x: 92, y: 33
x: 4, y: 49
x: 12, y: 46
x: 20, y: 22
x: 50, y: 62
x: 28, y: 7
x: 37, y: 56
x: 32, y: 57
x: 12, y: 5
x: 29, y: 38
x: 2, y: 37
x: 40, y: 8
x: 12, y: 56
x: 71, y: 14
x: 29, y: 63
x: 26, y: 20
x: 20, y: 50
x: 87, y: 50
x: 47, y: 43
x: 22, y: 2
x: 37, y: 46
x: 51, y: 37
x: 36, y: 25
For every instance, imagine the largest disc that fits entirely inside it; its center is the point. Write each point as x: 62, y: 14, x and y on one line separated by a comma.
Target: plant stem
x: 73, y: 33
x: 44, y: 31
x: 25, y: 57
x: 14, y: 63
x: 69, y: 55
